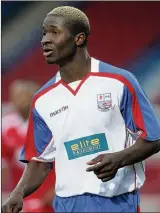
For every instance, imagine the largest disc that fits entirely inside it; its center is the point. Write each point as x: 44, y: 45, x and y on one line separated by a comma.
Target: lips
x: 47, y: 52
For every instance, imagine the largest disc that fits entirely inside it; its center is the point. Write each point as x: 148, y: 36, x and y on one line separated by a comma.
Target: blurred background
x: 125, y: 34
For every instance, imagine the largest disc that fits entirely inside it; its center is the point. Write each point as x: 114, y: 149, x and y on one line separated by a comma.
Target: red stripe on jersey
x: 74, y: 92
x: 38, y: 95
x: 138, y: 209
x: 136, y: 110
x: 29, y: 148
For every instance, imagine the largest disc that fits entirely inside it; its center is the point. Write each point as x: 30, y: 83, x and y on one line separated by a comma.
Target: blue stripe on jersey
x: 152, y: 125
x: 48, y: 84
x: 127, y: 111
x: 42, y: 134
x: 22, y: 154
x: 151, y: 122
x: 107, y: 68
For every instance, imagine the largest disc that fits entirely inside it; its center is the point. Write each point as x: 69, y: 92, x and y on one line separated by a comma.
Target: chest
x: 95, y: 102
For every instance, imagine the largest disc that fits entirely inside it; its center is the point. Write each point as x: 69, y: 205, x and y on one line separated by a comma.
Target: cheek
x: 66, y: 48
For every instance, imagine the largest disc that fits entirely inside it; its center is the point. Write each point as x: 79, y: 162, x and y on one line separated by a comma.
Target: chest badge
x: 104, y: 102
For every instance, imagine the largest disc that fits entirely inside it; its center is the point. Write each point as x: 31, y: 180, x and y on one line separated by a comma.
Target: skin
x: 74, y: 62
x: 108, y: 164
x: 34, y: 175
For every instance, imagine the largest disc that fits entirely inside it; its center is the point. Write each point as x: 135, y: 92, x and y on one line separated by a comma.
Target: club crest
x: 104, y: 102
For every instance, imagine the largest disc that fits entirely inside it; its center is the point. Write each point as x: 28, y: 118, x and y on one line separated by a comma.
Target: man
x: 14, y: 129
x: 93, y: 119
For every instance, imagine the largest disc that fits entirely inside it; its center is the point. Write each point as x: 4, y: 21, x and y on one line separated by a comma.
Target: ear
x: 80, y: 39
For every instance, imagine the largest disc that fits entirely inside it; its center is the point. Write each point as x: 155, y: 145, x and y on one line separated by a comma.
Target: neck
x: 77, y: 68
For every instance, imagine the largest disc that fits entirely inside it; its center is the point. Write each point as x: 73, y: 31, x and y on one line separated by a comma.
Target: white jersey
x: 105, y: 112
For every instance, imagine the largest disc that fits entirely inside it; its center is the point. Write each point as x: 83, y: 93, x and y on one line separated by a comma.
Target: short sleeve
x: 137, y: 111
x: 39, y: 143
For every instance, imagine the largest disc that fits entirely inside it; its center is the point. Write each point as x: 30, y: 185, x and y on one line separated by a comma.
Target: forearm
x: 140, y: 151
x: 33, y: 176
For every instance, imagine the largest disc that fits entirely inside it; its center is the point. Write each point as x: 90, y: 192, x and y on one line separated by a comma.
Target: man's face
x: 57, y: 42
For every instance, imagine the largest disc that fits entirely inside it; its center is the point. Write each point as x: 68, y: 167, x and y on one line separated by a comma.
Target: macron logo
x: 58, y: 111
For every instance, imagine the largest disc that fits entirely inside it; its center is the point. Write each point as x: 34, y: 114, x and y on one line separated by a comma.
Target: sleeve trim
x: 151, y: 139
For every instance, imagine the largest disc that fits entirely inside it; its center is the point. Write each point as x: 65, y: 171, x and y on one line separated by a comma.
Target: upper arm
x: 39, y: 140
x: 138, y: 112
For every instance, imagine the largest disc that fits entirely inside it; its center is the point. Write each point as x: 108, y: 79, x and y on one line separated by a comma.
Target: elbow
x: 44, y: 168
x: 158, y: 146
x: 48, y: 167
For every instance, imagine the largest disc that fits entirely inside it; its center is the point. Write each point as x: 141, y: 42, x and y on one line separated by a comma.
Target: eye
x: 55, y: 33
x: 44, y: 33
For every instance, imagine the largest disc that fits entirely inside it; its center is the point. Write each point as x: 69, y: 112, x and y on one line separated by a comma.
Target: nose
x: 45, y: 41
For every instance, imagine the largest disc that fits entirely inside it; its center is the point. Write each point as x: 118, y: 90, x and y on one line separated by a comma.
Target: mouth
x: 47, y: 52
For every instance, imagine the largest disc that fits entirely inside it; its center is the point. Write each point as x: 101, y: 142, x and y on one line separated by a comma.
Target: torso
x: 85, y: 121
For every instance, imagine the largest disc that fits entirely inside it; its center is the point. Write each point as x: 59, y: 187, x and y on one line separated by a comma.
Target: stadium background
x: 125, y: 34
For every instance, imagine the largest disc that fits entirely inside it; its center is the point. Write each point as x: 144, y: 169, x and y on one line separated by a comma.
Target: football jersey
x: 71, y: 124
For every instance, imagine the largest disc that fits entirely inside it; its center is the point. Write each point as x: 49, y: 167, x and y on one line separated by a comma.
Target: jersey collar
x: 94, y: 68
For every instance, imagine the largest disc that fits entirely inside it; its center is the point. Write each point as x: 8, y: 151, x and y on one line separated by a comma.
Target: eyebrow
x: 51, y: 26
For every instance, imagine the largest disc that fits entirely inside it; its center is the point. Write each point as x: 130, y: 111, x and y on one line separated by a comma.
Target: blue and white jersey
x: 103, y: 113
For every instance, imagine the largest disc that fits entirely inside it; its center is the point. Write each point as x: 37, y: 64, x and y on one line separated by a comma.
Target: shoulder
x: 124, y: 76
x: 45, y: 88
x: 116, y: 72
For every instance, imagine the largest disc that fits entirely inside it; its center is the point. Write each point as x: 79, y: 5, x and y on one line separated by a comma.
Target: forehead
x: 53, y: 21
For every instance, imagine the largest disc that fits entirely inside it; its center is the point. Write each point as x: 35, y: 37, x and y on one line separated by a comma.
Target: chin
x: 50, y: 61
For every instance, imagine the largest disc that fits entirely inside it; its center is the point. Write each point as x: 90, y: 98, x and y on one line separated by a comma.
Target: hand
x: 105, y: 166
x: 14, y: 204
